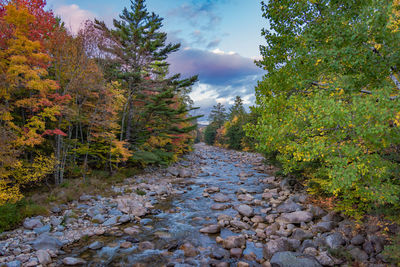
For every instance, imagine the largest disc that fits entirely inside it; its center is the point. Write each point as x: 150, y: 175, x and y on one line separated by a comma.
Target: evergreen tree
x: 237, y: 109
x: 218, y: 115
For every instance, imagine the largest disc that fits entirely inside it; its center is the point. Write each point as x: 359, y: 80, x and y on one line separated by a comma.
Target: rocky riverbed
x: 215, y: 208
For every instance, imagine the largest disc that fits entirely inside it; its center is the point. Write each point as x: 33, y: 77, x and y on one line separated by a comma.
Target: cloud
x: 216, y: 67
x: 201, y: 14
x: 73, y: 16
x: 213, y: 44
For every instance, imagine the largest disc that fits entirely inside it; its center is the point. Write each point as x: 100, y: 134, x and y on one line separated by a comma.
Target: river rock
x: 96, y: 245
x: 43, y: 257
x: 219, y: 206
x: 245, y: 210
x: 234, y: 242
x: 15, y: 263
x: 357, y: 240
x: 296, y: 217
x: 323, y: 227
x: 70, y: 261
x: 111, y: 221
x: 289, y: 206
x: 211, y: 229
x: 301, y: 235
x: 46, y: 241
x: 274, y: 246
x: 184, y: 173
x: 31, y: 223
x: 325, y: 259
x: 189, y: 250
x: 334, y: 240
x: 43, y: 229
x: 293, y: 259
x: 219, y: 197
x: 236, y: 252
x: 239, y: 224
x: 131, y: 206
x: 359, y: 255
x: 146, y: 245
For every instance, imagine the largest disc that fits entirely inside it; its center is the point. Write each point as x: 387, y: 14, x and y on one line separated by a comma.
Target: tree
x: 328, y: 99
x: 218, y: 115
x: 237, y: 110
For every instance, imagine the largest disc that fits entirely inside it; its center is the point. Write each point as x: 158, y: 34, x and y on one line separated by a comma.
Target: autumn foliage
x: 63, y: 112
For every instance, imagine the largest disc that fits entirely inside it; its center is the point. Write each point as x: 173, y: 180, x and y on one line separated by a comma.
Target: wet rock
x: 96, y: 245
x: 239, y: 224
x: 236, y: 252
x: 296, y: 217
x: 219, y: 206
x: 274, y: 246
x: 335, y: 240
x: 242, y: 264
x: 212, y: 190
x: 234, y: 242
x: 289, y: 206
x: 131, y: 231
x: 46, y: 241
x: 125, y: 245
x: 293, y: 259
x: 245, y: 197
x: 43, y: 257
x: 359, y: 255
x: 224, y: 217
x: 211, y: 229
x: 111, y: 221
x: 357, y: 240
x: 189, y: 250
x: 146, y: 245
x: 219, y: 197
x: 70, y: 261
x: 219, y: 253
x: 31, y: 223
x: 245, y: 210
x: 13, y: 264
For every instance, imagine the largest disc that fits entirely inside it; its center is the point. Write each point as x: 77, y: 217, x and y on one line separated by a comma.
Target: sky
x: 220, y: 41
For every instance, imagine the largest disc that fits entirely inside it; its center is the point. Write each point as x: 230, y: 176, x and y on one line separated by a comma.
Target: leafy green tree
x: 237, y: 109
x: 328, y: 102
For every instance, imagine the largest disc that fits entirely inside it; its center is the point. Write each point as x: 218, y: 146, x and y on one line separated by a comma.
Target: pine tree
x: 218, y: 115
x: 237, y: 109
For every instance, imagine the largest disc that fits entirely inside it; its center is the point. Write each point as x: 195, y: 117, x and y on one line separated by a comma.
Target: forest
x: 101, y: 99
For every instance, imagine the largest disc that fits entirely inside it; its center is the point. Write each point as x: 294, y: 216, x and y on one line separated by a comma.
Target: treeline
x: 226, y: 129
x: 100, y: 99
x: 329, y: 103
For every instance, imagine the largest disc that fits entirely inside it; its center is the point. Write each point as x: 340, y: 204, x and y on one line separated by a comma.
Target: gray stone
x: 146, y: 245
x: 46, y: 241
x: 296, y: 217
x: 96, y: 245
x: 324, y: 259
x: 211, y: 229
x: 124, y: 219
x: 85, y: 197
x: 43, y: 257
x: 317, y: 211
x: 184, y: 173
x: 219, y: 197
x: 93, y: 211
x: 357, y: 240
x: 306, y: 244
x: 219, y: 253
x: 70, y: 261
x: 219, y: 206
x: 274, y: 246
x: 236, y: 252
x: 55, y: 209
x: 239, y: 224
x: 245, y: 210
x: 14, y: 264
x: 131, y: 206
x: 189, y: 250
x: 115, y: 212
x: 301, y: 235
x: 31, y: 223
x: 323, y: 227
x: 55, y: 221
x: 113, y: 220
x: 293, y: 259
x: 99, y: 218
x: 234, y: 242
x: 43, y: 229
x: 335, y: 240
x: 359, y: 255
x: 289, y: 206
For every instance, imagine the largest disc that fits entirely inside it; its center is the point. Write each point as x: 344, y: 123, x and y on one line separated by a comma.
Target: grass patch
x: 392, y: 251
x: 140, y: 192
x: 12, y: 215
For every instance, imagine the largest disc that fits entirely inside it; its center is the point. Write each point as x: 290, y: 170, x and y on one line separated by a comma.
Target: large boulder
x: 234, y: 242
x: 245, y: 210
x: 46, y: 241
x: 31, y: 223
x: 274, y: 246
x: 296, y: 217
x: 132, y: 206
x: 293, y: 259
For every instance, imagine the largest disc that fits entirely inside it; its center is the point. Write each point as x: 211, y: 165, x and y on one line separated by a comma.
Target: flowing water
x: 179, y: 219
